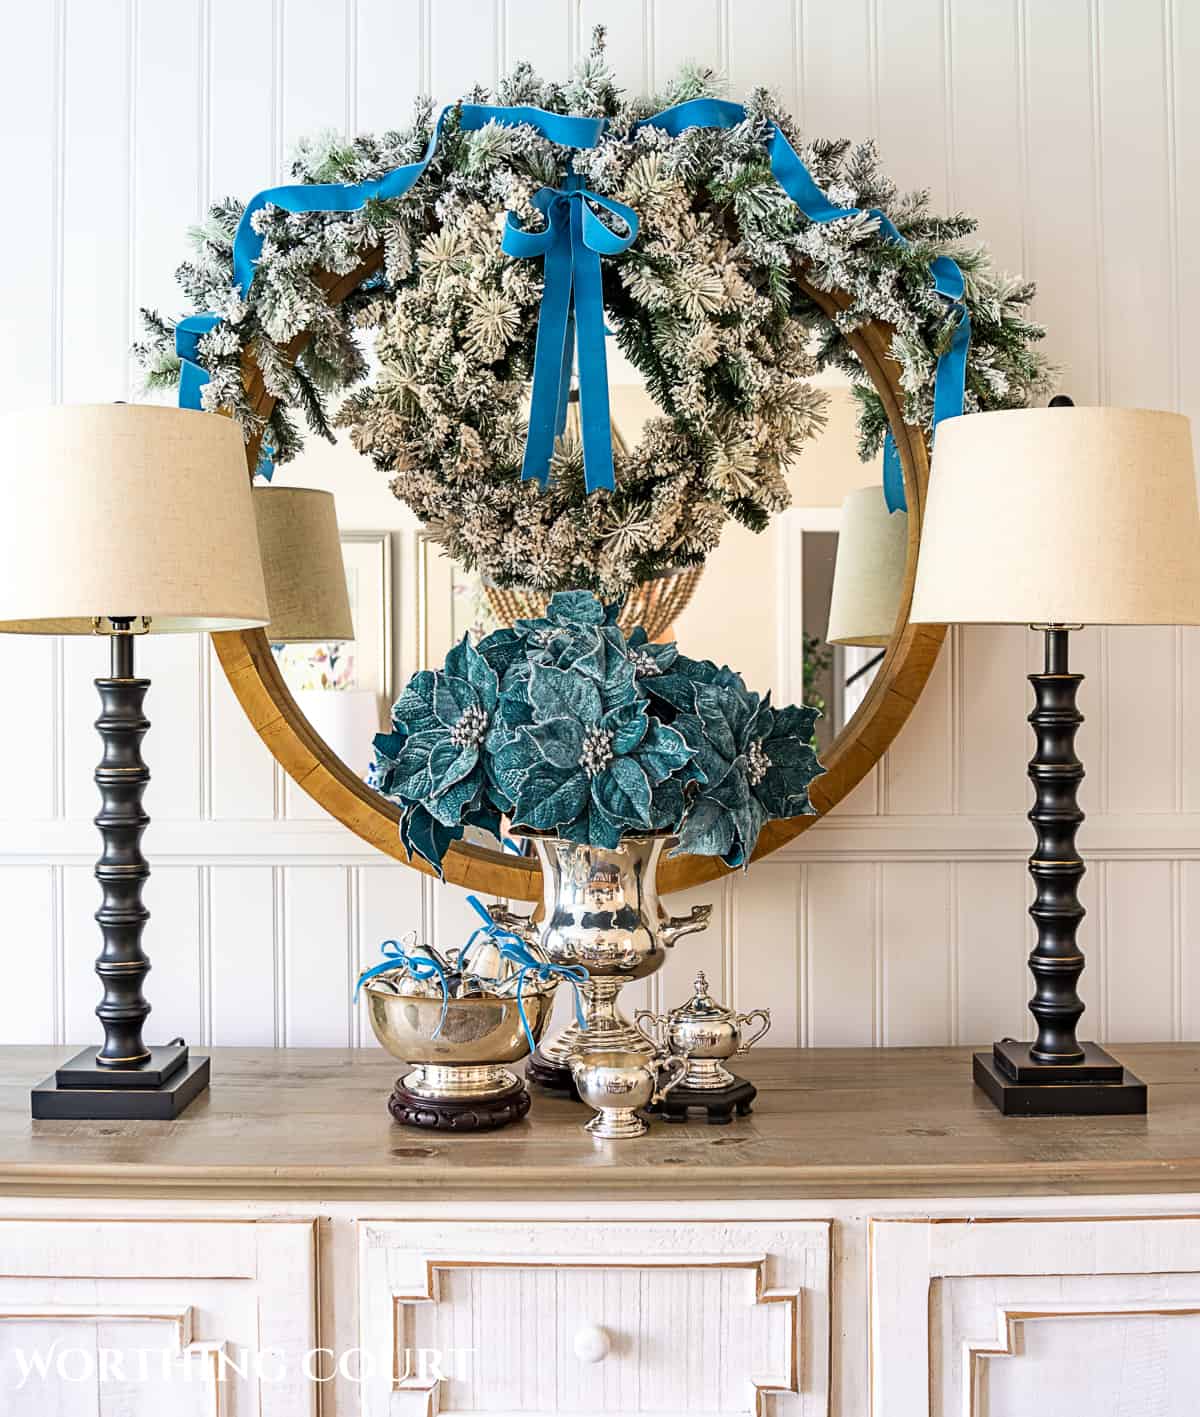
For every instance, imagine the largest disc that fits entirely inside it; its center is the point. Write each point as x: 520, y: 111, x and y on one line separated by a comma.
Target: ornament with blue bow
x: 517, y: 953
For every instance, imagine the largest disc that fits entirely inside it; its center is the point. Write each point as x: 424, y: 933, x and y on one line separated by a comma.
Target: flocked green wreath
x: 705, y: 304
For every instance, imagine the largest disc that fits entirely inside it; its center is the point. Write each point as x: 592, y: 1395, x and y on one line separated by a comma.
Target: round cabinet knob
x: 591, y: 1344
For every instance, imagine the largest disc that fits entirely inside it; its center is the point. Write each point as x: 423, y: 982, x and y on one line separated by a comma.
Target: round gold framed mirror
x: 907, y: 661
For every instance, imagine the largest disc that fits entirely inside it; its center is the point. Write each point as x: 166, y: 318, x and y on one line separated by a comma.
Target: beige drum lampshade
x: 868, y: 575
x: 302, y: 562
x: 1061, y: 516
x: 126, y: 510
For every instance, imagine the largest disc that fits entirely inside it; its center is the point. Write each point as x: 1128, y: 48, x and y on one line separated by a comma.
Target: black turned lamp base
x: 158, y: 1090
x: 459, y: 1114
x: 1100, y: 1086
x: 719, y: 1104
x: 554, y: 1077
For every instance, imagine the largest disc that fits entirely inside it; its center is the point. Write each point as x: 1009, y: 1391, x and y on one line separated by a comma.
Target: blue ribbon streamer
x: 571, y: 244
x: 572, y: 314
x: 514, y: 949
x: 418, y: 966
x: 790, y: 172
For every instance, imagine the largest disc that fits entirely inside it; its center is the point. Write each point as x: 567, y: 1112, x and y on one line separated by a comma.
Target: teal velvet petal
x: 559, y: 741
x: 451, y: 697
x: 548, y: 799
x: 663, y: 751
x: 448, y: 764
x: 421, y: 835
x: 557, y: 693
x: 622, y: 791
x: 577, y: 607
x: 628, y: 726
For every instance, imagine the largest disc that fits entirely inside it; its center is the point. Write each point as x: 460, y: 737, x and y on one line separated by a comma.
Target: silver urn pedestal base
x: 607, y: 1031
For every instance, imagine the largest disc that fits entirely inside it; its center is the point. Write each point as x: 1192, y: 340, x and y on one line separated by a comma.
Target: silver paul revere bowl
x: 465, y: 1058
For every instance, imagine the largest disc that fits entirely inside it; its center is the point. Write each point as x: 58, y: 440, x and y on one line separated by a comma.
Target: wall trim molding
x: 1149, y: 836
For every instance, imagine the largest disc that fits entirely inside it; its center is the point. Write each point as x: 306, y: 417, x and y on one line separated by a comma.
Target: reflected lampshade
x: 302, y: 562
x: 1061, y: 516
x: 130, y: 510
x: 868, y: 575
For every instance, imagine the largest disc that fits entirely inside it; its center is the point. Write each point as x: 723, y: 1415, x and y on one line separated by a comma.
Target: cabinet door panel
x: 1000, y: 1318
x: 714, y: 1318
x: 110, y: 1318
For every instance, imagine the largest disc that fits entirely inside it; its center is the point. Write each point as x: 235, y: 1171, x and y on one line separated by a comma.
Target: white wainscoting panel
x: 901, y: 919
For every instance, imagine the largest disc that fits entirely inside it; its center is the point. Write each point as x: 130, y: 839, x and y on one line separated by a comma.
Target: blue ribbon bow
x: 514, y: 949
x: 572, y: 314
x: 490, y: 929
x: 571, y: 244
x: 418, y: 966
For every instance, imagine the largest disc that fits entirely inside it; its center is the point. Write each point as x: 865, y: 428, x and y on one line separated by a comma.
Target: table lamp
x: 310, y: 604
x: 868, y: 573
x: 1056, y: 518
x: 125, y: 520
x: 302, y: 565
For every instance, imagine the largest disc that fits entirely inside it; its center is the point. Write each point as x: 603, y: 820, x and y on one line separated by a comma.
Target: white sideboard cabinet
x: 874, y: 1241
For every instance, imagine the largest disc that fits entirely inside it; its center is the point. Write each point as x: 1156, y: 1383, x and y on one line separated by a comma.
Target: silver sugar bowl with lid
x: 704, y: 1032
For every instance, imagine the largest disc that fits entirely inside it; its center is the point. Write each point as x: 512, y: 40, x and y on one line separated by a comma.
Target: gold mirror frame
x: 250, y: 667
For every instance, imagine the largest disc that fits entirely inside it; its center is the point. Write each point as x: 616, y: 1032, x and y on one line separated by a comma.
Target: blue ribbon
x: 571, y: 244
x: 514, y: 949
x: 491, y: 929
x: 418, y: 966
x: 790, y: 172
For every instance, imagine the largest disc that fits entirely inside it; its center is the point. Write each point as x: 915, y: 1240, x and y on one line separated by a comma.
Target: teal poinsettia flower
x: 564, y: 724
x: 674, y: 686
x: 650, y: 661
x: 580, y: 634
x: 435, y: 754
x: 581, y: 769
x: 756, y: 763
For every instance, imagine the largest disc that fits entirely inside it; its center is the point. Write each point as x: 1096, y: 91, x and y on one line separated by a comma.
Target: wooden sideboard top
x: 828, y: 1124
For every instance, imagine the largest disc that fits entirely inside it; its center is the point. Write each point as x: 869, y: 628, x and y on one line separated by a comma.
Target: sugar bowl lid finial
x: 701, y: 1004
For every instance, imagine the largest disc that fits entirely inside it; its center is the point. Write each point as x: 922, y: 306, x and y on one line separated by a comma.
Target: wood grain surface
x: 828, y: 1123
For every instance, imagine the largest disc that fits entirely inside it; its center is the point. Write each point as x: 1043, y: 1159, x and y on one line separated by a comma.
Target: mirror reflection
x: 806, y: 607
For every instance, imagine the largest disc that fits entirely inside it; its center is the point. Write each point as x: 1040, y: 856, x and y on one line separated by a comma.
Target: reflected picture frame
x: 369, y: 658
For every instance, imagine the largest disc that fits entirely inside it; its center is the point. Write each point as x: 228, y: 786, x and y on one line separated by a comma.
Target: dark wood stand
x: 467, y: 1114
x: 555, y: 1077
x: 1056, y: 1075
x: 122, y: 1079
x: 719, y: 1105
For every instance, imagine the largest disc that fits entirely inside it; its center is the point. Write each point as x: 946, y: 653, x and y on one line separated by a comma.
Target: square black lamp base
x: 159, y: 1090
x: 1100, y: 1086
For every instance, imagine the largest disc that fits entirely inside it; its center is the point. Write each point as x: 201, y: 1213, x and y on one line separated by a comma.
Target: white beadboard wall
x: 1066, y: 126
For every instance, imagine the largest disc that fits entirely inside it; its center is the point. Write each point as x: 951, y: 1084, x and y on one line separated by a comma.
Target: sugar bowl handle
x: 675, y: 1064
x: 651, y: 1026
x: 742, y: 1019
